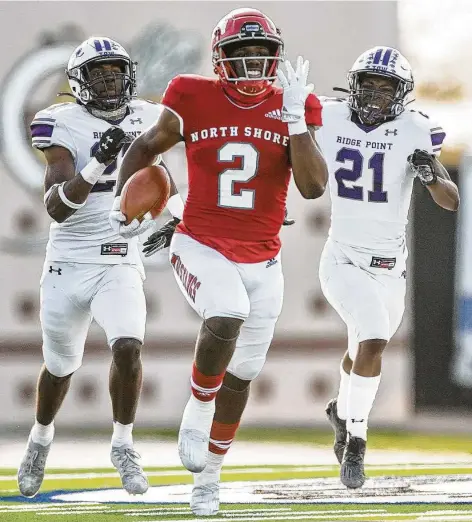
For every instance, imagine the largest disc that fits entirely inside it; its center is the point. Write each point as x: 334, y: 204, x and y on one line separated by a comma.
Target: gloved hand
x: 117, y: 222
x: 422, y: 164
x: 295, y: 89
x: 110, y: 145
x: 160, y: 239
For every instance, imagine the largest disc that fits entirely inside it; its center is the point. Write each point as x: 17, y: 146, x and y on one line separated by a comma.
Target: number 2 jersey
x: 369, y: 179
x: 86, y: 236
x: 238, y: 167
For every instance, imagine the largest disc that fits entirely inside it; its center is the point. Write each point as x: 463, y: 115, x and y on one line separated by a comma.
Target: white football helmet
x: 106, y: 91
x: 386, y: 62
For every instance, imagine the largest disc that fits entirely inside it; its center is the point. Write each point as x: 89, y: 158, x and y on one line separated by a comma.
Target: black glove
x: 422, y: 164
x: 110, y: 144
x: 287, y: 221
x: 160, y: 239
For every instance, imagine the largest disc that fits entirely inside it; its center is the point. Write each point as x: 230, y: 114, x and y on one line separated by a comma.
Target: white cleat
x: 126, y: 461
x: 31, y: 472
x: 205, y: 500
x: 193, y: 449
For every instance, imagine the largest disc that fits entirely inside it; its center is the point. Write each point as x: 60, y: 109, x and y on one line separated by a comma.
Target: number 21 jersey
x: 238, y: 167
x: 369, y: 179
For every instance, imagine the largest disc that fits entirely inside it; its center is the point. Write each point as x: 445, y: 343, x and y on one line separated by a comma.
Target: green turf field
x: 439, y: 493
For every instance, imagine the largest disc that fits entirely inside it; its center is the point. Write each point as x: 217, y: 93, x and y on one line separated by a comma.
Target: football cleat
x: 193, y: 449
x: 339, y: 427
x: 31, y: 471
x: 126, y: 461
x: 205, y: 500
x: 352, y: 466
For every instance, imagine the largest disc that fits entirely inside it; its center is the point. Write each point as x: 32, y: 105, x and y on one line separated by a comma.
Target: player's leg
x: 213, y: 287
x: 265, y: 288
x: 65, y: 323
x: 119, y: 307
x: 357, y: 297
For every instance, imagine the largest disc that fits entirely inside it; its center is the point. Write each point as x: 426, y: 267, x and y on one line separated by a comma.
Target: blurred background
x: 427, y: 372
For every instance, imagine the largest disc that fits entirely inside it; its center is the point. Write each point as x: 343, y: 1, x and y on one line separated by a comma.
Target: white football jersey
x: 369, y: 179
x: 86, y: 236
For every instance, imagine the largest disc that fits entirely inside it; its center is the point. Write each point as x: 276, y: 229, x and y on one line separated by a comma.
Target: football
x: 145, y: 191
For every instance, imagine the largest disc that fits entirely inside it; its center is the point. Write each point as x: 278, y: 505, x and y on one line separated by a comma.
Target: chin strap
x: 243, y: 98
x: 117, y: 114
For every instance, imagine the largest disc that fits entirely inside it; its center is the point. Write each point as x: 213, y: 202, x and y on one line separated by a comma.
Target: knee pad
x: 247, y: 362
x: 60, y: 365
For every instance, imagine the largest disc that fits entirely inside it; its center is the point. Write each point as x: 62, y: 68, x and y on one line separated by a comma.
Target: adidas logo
x: 271, y: 262
x: 276, y: 114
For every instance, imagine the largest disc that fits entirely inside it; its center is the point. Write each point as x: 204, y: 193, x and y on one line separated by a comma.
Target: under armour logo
x: 137, y: 120
x: 107, y: 140
x: 58, y: 270
x: 388, y: 131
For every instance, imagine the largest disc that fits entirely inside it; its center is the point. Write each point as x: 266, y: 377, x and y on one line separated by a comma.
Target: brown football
x: 145, y: 191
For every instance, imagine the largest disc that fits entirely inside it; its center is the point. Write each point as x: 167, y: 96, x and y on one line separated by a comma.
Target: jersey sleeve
x: 313, y: 111
x: 47, y: 130
x: 174, y: 99
x: 432, y: 135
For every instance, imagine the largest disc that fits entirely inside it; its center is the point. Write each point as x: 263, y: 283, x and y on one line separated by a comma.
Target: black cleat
x: 352, y: 466
x: 339, y: 427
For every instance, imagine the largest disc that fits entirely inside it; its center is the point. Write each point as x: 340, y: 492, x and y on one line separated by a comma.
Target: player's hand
x: 422, y: 164
x: 117, y: 222
x: 160, y: 239
x: 295, y: 89
x: 110, y: 145
x: 287, y: 221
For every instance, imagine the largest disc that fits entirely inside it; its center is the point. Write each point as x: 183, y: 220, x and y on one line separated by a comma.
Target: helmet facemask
x: 106, y: 90
x: 376, y: 105
x: 249, y: 72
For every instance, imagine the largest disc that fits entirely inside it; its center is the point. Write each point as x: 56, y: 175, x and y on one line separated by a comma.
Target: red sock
x: 221, y: 437
x: 205, y: 387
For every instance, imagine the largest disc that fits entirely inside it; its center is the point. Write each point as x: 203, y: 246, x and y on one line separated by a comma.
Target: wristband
x: 299, y: 127
x: 92, y: 171
x: 175, y: 206
x: 66, y: 201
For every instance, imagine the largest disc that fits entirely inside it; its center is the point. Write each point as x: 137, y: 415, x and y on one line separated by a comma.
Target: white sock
x: 198, y: 415
x: 343, y: 393
x: 362, y: 392
x: 41, y: 434
x: 212, y: 470
x: 122, y: 434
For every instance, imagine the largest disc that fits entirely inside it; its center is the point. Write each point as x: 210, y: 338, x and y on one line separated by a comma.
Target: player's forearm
x: 64, y: 199
x: 308, y: 165
x: 445, y: 193
x: 139, y: 155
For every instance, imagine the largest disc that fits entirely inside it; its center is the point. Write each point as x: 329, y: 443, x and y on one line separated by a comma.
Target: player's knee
x: 55, y: 380
x: 223, y: 328
x: 235, y: 383
x: 371, y: 348
x: 127, y: 354
x: 61, y: 366
x: 246, y: 369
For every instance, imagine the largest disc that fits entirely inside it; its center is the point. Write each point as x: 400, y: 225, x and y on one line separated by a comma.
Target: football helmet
x: 243, y: 27
x: 105, y: 91
x: 372, y: 105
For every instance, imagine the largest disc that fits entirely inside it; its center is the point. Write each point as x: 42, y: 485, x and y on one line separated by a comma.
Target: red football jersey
x: 238, y: 167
